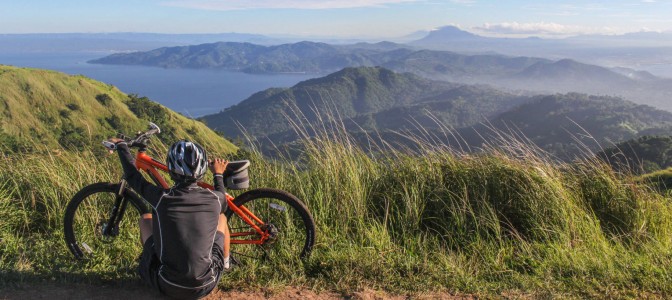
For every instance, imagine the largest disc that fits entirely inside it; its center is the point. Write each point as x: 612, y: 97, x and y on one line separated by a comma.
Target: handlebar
x: 140, y: 139
x: 109, y: 145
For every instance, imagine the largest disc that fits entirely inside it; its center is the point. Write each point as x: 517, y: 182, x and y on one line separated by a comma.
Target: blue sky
x: 334, y: 18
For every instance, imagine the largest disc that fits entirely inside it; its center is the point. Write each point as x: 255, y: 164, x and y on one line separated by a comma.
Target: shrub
x: 73, y: 106
x: 103, y: 99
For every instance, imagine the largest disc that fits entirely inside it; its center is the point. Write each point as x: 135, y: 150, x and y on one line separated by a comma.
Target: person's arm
x: 218, y: 166
x: 136, y: 181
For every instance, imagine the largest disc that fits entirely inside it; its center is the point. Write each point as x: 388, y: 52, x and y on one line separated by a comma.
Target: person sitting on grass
x: 185, y: 238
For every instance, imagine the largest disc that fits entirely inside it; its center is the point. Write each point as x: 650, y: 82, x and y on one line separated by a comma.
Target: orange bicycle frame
x: 152, y: 166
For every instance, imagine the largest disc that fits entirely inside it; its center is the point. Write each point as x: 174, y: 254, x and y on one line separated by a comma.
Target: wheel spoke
x: 288, y: 227
x: 87, y: 227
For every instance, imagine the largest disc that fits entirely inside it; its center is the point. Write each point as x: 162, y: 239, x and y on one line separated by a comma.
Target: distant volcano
x: 450, y: 33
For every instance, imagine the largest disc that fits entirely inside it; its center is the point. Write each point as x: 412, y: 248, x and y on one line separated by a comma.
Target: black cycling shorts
x: 149, y: 265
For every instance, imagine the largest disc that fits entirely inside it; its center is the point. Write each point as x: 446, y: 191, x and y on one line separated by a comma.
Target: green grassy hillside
x: 661, y: 180
x: 509, y: 221
x: 504, y: 222
x: 44, y: 109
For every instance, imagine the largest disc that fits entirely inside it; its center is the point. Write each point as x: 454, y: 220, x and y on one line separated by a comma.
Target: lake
x: 188, y: 91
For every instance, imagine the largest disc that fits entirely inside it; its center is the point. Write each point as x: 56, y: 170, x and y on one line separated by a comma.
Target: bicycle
x: 264, y: 223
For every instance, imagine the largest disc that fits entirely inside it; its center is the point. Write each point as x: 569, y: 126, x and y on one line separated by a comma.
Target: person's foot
x: 231, y: 263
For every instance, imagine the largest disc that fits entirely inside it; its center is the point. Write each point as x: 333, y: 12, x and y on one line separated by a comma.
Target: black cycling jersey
x: 185, y: 221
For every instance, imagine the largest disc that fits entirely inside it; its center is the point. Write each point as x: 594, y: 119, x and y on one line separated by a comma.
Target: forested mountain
x: 372, y: 98
x: 512, y: 73
x: 575, y: 123
x: 643, y: 155
x: 377, y: 100
x: 299, y: 57
x: 453, y: 66
x: 565, y: 126
x: 314, y: 57
x: 43, y: 109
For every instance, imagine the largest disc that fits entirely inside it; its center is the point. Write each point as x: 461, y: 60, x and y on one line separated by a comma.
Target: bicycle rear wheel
x: 285, y: 218
x: 95, y: 224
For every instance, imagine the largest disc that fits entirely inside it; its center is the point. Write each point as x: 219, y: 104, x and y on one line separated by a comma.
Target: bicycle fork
x: 111, y: 228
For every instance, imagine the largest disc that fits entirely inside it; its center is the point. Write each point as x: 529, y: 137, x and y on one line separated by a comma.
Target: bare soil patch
x: 53, y: 291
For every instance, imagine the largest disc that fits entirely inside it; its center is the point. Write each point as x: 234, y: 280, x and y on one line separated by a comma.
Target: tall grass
x: 505, y: 219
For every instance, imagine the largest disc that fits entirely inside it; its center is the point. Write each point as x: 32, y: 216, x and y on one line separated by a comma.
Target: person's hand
x: 218, y: 166
x: 114, y: 140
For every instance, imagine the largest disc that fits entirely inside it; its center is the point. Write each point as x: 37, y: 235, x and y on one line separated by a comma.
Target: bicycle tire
x: 85, y: 218
x: 273, y: 205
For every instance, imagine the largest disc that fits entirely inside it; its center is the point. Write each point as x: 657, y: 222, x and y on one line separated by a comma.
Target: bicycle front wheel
x: 282, y: 217
x: 102, y: 223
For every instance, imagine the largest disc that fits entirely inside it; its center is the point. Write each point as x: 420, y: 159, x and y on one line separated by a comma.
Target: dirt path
x: 131, y: 292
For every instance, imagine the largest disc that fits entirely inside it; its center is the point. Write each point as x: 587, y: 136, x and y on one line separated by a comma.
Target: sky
x: 337, y: 18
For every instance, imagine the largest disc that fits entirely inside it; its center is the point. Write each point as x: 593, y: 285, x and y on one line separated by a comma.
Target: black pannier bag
x: 236, y: 176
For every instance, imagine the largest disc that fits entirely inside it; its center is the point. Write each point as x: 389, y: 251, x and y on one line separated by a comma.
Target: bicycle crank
x: 272, y: 232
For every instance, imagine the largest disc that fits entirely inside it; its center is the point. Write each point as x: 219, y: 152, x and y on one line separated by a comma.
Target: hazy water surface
x: 662, y: 69
x: 188, y: 91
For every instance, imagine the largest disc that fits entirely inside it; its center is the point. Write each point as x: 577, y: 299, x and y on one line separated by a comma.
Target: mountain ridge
x: 506, y: 72
x: 551, y: 121
x: 351, y: 91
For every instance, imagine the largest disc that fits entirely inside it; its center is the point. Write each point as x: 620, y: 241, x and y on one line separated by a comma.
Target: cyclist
x: 185, y: 238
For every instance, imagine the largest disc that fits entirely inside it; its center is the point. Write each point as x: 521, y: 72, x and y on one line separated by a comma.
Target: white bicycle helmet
x: 187, y: 161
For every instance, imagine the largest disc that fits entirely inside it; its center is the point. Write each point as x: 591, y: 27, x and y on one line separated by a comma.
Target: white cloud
x: 226, y: 5
x: 541, y: 28
x: 463, y: 1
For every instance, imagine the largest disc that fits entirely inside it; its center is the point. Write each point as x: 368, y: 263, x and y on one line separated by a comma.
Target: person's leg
x: 223, y: 227
x: 145, y: 227
x: 148, y: 267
